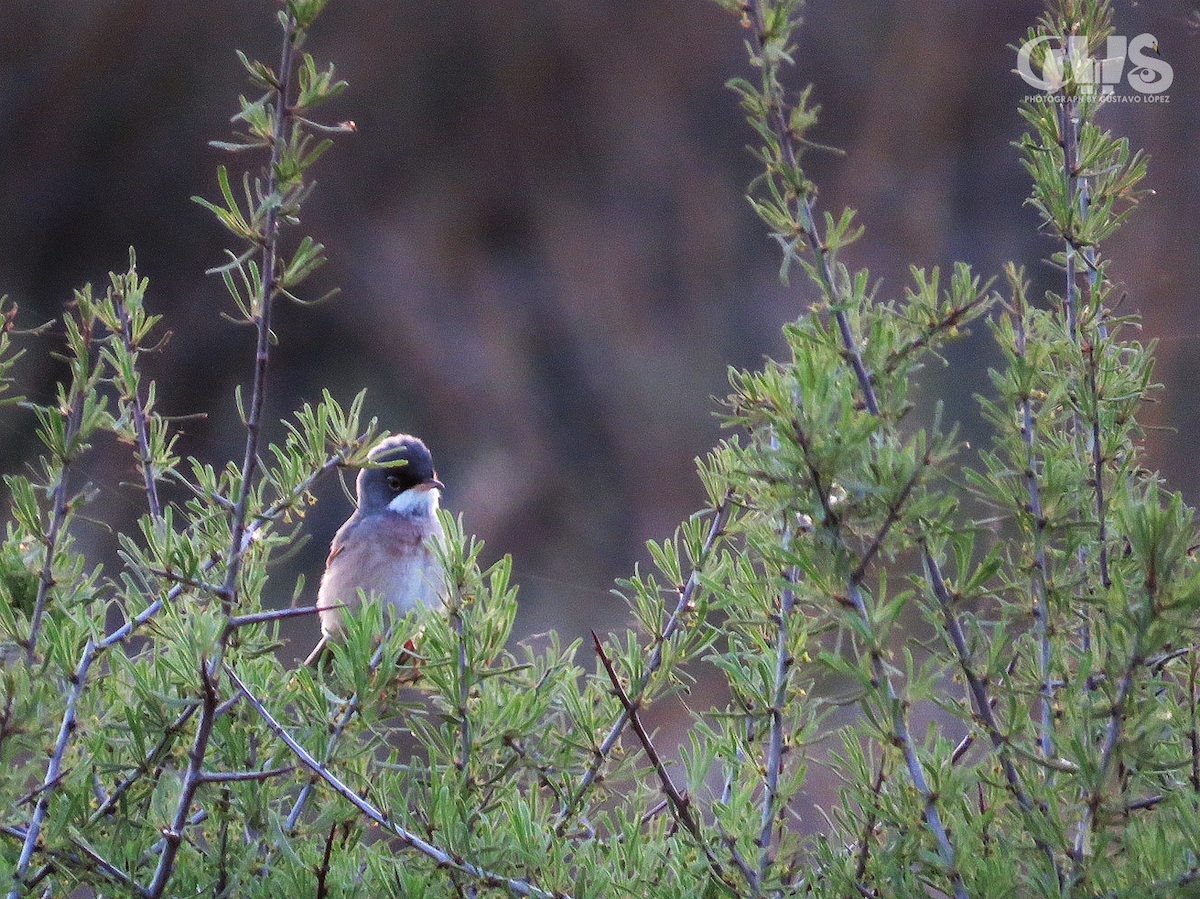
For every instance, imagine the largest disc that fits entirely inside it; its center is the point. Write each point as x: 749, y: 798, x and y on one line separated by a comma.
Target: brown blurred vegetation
x: 545, y: 258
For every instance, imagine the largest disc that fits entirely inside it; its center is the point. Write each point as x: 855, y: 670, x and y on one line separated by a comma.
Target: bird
x: 386, y: 548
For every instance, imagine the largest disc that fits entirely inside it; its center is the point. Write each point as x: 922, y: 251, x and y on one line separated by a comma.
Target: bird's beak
x: 434, y: 482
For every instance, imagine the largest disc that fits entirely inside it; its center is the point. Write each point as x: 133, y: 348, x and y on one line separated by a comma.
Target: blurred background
x: 539, y: 230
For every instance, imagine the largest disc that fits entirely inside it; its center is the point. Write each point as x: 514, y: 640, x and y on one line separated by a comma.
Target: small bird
x: 386, y: 547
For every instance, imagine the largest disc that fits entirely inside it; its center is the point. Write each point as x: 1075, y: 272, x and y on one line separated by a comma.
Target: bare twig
x: 326, y: 859
x: 681, y: 803
x: 407, y: 838
x: 638, y: 689
x: 230, y: 776
x: 272, y: 615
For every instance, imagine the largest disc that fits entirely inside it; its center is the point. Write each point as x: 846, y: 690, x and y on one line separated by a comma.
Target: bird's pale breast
x: 388, y: 556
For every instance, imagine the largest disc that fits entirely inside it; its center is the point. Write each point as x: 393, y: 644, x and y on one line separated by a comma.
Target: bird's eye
x: 393, y: 481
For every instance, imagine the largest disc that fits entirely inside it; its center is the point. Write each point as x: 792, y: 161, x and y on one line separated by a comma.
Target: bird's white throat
x: 417, y: 502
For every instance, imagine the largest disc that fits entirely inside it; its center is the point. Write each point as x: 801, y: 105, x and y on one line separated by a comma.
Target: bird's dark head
x: 406, y: 484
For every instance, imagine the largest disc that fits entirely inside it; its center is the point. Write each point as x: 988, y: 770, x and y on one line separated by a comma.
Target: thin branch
x: 908, y: 749
x: 743, y: 866
x: 1157, y: 663
x: 464, y: 689
x: 1078, y: 200
x: 775, y: 748
x: 238, y: 776
x: 138, y: 407
x: 192, y: 781
x: 339, y: 728
x: 864, y: 843
x: 1067, y: 111
x: 541, y: 768
x: 265, y: 301
x: 948, y: 322
x: 893, y: 515
x: 1147, y: 802
x: 681, y: 803
x: 804, y: 211
x: 53, y: 769
x: 183, y: 580
x: 273, y: 615
x: 1040, y: 573
x: 156, y: 849
x: 89, y: 859
x: 1193, y: 724
x: 1098, y: 473
x: 638, y: 689
x: 1093, y: 794
x: 407, y: 838
x: 893, y: 704
x: 982, y: 701
x: 151, y: 759
x: 81, y: 379
x: 326, y: 858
